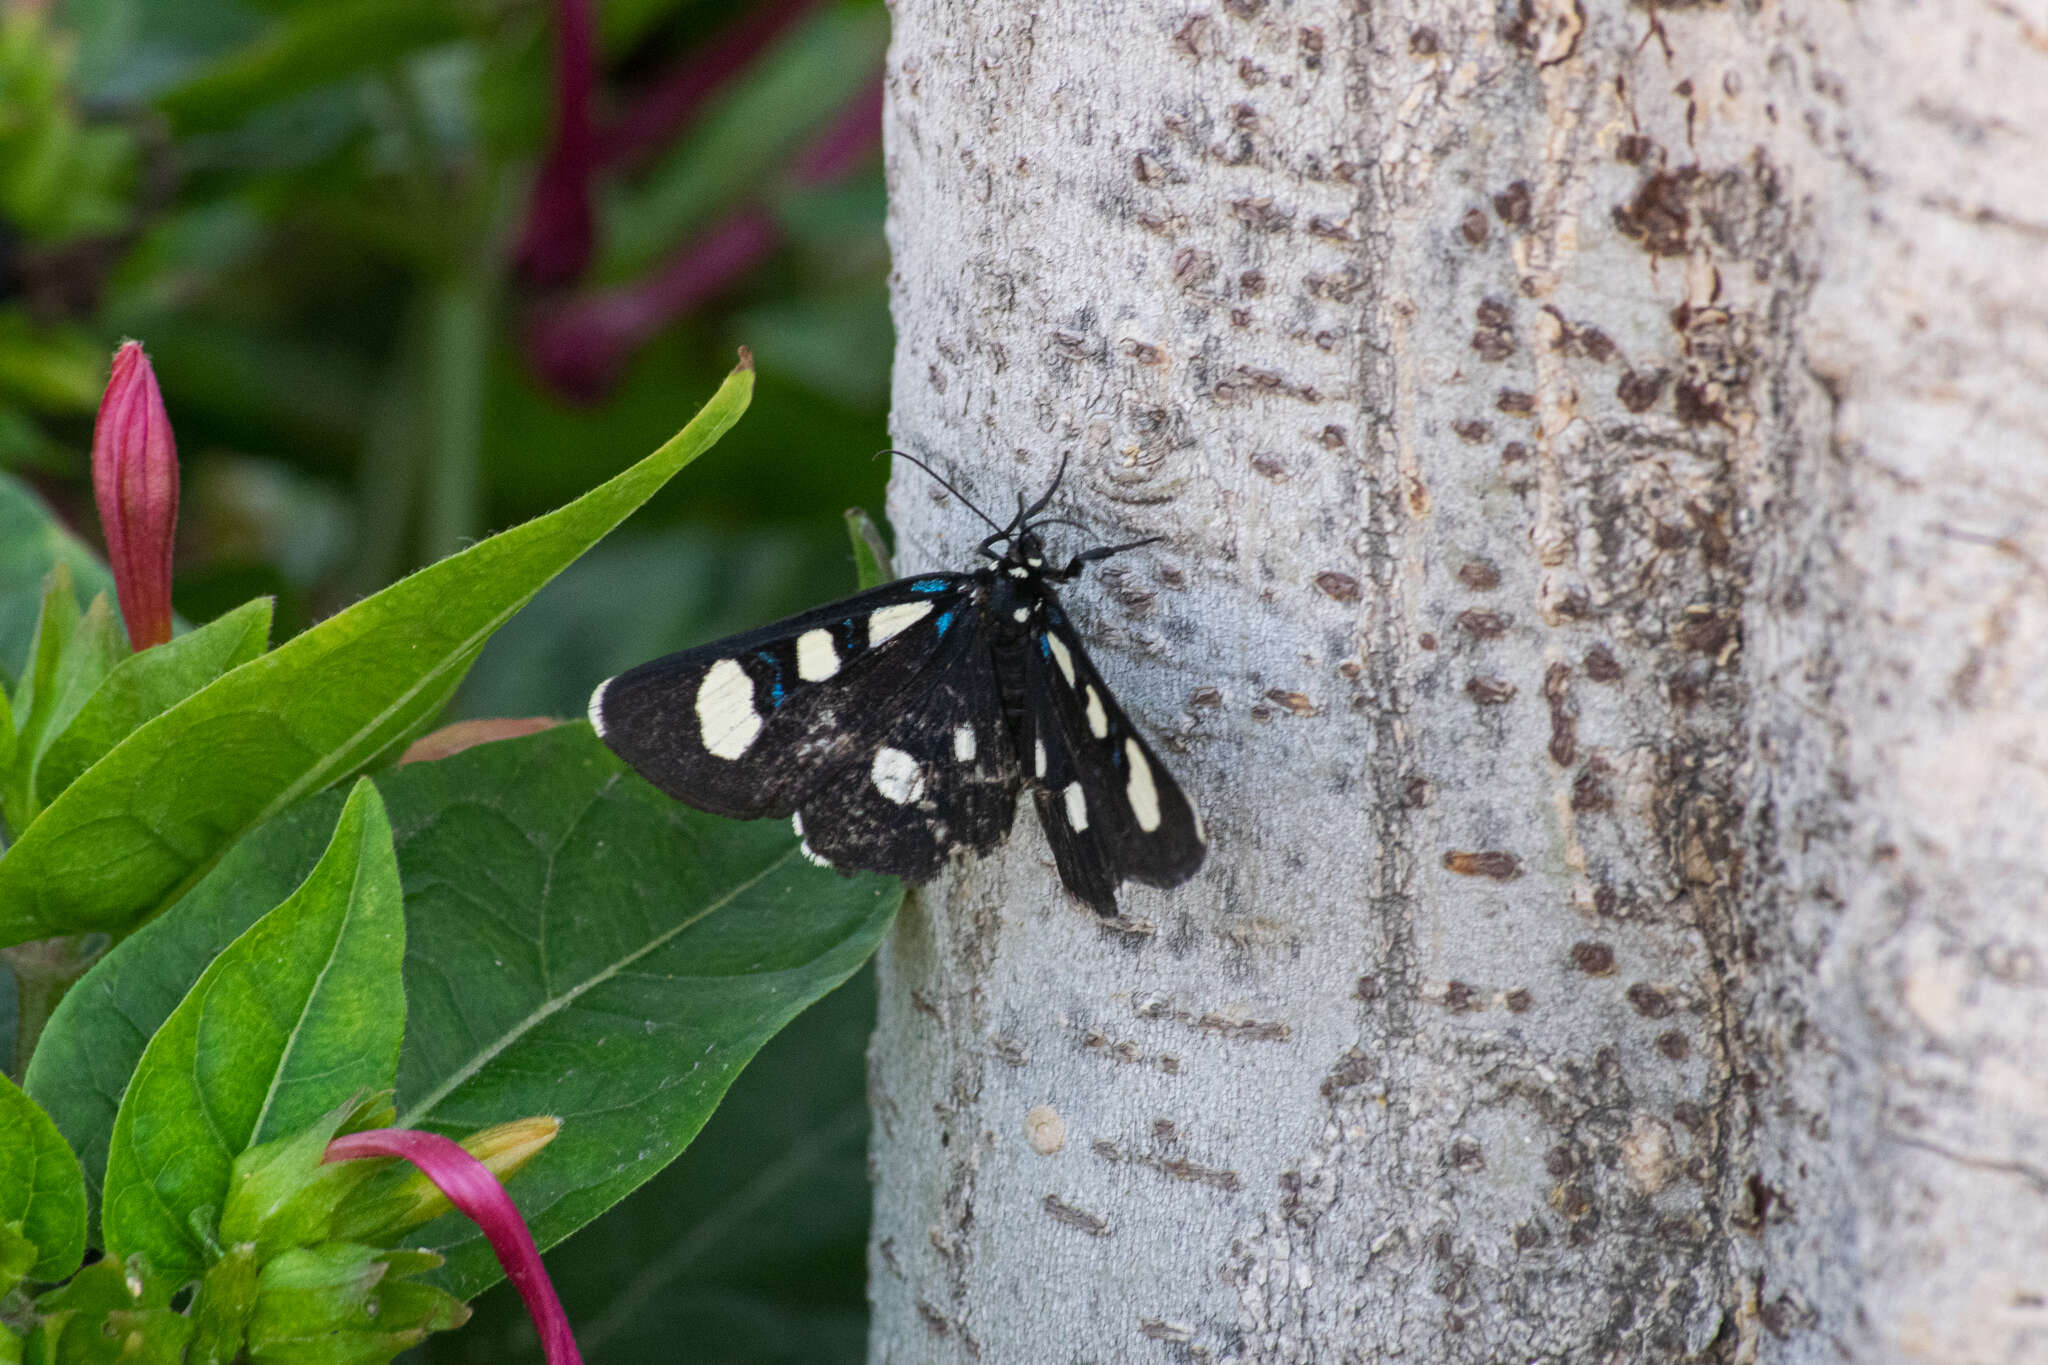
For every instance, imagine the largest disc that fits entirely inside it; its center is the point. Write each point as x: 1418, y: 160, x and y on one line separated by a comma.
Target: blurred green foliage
x: 306, y: 209
x: 309, y: 211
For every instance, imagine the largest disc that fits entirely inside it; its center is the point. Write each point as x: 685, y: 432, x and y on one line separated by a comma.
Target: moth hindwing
x: 896, y: 728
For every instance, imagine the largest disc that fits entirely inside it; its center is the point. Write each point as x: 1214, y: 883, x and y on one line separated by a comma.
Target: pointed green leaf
x: 42, y: 1190
x: 146, y: 685
x: 32, y: 541
x: 301, y: 1012
x: 144, y: 823
x: 71, y: 655
x: 870, y: 553
x: 56, y: 621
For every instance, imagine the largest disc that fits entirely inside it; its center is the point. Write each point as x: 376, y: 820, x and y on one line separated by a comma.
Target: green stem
x: 459, y: 316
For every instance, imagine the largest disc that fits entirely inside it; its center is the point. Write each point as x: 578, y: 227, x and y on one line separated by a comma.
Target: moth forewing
x: 748, y: 726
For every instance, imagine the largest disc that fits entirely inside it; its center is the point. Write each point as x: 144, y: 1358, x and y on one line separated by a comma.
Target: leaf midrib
x: 555, y: 1004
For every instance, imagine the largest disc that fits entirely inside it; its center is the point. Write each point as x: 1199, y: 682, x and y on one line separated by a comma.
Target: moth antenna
x: 1025, y: 514
x: 946, y: 484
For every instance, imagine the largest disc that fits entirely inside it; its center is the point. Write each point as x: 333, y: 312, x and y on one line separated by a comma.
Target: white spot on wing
x: 1144, y: 796
x: 1061, y: 657
x: 597, y: 708
x: 963, y: 743
x: 897, y: 775
x: 1038, y: 757
x: 1098, y: 719
x: 816, y: 657
x: 889, y: 622
x: 1201, y: 830
x: 1077, y: 807
x: 1018, y: 571
x: 1021, y: 615
x: 796, y: 822
x: 817, y: 859
x: 726, y: 719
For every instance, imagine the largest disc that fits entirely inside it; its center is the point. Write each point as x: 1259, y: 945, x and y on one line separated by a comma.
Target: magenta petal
x: 474, y: 1190
x: 555, y: 243
x: 581, y: 345
x: 658, y: 117
x: 135, y: 482
x: 854, y: 131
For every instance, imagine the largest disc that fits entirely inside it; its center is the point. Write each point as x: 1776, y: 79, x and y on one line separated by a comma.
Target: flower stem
x: 460, y: 312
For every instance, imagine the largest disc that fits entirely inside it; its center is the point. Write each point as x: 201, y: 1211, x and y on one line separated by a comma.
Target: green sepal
x: 281, y: 1196
x: 399, y: 1197
x: 110, y: 1313
x: 345, y: 1304
x: 223, y: 1307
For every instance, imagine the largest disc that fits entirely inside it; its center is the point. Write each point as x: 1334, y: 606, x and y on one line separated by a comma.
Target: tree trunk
x: 1604, y: 616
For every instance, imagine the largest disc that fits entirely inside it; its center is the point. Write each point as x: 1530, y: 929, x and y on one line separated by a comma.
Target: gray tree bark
x: 1604, y: 615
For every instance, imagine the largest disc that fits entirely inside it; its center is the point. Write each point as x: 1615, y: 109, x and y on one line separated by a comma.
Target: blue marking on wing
x: 775, y: 692
x: 945, y: 620
x: 930, y: 585
x: 1044, y: 646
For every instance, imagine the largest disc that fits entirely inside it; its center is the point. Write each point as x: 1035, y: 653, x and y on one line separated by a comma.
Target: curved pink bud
x: 474, y: 1190
x: 135, y: 481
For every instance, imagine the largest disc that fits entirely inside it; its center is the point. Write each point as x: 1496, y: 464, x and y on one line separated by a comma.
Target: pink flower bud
x: 135, y: 480
x: 471, y: 1187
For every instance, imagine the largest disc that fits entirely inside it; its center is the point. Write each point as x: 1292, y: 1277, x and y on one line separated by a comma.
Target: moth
x: 896, y: 728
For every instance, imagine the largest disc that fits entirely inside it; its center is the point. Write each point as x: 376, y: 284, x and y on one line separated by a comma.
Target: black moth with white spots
x: 897, y: 726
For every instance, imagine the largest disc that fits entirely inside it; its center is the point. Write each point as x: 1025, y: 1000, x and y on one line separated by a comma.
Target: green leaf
x: 580, y: 945
x: 311, y: 46
x: 42, y: 1189
x: 111, y: 1313
x: 755, y: 1238
x: 56, y: 621
x: 145, y: 822
x: 69, y: 657
x: 145, y: 685
x: 870, y: 552
x: 585, y: 947
x: 95, y: 1036
x: 223, y: 1306
x: 32, y: 542
x: 301, y: 1012
x: 95, y: 647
